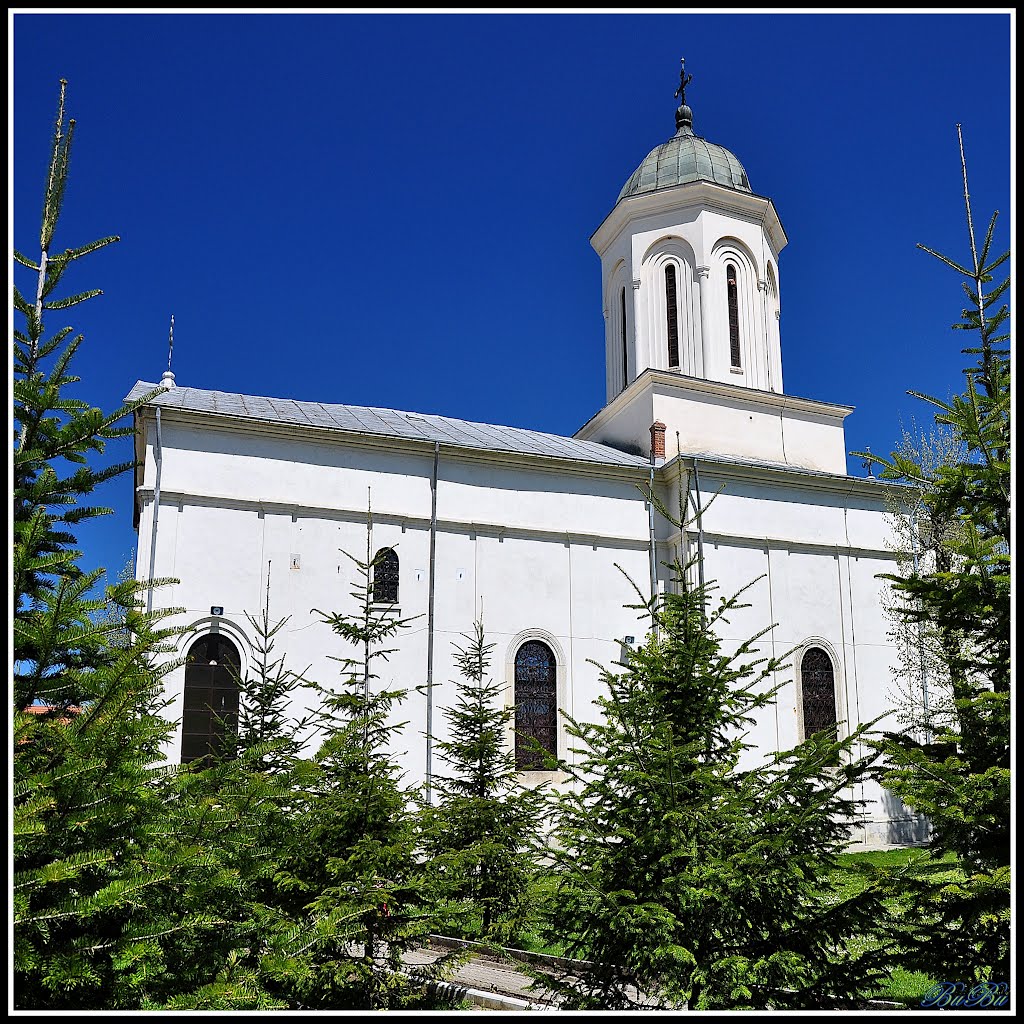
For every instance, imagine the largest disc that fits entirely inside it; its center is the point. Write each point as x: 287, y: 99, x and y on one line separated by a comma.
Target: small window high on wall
x: 536, y: 705
x: 385, y: 577
x: 734, y: 315
x: 210, y: 715
x: 672, y: 316
x: 817, y: 692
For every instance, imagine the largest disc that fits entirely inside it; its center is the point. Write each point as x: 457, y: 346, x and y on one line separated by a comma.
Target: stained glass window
x: 734, y: 315
x: 385, y: 576
x: 210, y: 714
x: 672, y: 316
x: 536, y: 707
x: 818, y: 692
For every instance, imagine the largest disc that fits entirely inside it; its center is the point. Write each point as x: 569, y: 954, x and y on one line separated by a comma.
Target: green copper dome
x: 686, y: 157
x: 682, y: 159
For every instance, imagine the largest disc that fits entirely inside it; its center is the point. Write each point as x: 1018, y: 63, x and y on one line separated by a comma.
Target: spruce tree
x: 104, y: 887
x: 482, y: 835
x: 357, y: 888
x: 248, y: 792
x: 959, y: 774
x: 55, y: 434
x: 682, y: 879
x: 267, y: 697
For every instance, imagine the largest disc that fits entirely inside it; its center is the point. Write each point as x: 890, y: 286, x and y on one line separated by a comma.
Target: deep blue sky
x: 394, y: 210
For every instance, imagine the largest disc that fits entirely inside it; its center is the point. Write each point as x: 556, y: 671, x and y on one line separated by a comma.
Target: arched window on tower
x: 622, y: 338
x: 817, y: 692
x: 385, y: 576
x: 672, y: 316
x: 734, y: 315
x: 210, y: 714
x: 536, y: 705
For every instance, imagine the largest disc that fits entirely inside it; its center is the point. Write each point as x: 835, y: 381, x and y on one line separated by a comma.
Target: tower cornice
x: 700, y: 195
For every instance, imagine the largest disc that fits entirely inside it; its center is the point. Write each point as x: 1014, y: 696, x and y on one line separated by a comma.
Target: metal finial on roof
x: 684, y: 115
x: 869, y: 463
x: 167, y: 380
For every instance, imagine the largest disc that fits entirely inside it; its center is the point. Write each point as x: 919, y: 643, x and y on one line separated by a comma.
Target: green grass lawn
x: 902, y: 986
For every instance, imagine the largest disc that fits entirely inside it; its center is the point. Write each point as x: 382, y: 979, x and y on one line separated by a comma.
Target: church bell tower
x: 689, y: 261
x: 690, y: 290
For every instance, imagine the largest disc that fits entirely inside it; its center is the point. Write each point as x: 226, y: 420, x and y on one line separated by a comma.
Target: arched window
x: 672, y: 316
x: 734, y: 315
x: 817, y: 692
x: 385, y: 576
x: 622, y: 333
x: 536, y: 704
x: 210, y: 715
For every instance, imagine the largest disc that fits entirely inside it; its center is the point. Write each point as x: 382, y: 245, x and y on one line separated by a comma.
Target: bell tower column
x: 705, y: 327
x: 641, y: 342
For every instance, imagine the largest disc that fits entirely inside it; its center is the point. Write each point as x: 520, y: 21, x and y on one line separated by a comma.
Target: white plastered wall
x: 807, y: 558
x: 539, y: 552
x: 530, y: 547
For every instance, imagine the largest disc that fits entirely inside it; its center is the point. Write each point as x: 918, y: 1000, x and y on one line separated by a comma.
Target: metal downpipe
x: 700, y: 525
x: 430, y: 623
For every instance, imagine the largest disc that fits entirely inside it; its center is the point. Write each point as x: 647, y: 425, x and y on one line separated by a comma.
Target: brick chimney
x: 658, y: 439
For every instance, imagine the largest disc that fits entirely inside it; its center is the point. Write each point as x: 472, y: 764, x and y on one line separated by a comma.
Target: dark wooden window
x: 622, y: 333
x: 672, y: 316
x: 536, y: 705
x: 734, y: 315
x: 210, y: 715
x: 818, y: 692
x: 385, y: 576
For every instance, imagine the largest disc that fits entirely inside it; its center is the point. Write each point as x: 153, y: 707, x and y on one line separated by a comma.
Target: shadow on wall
x: 905, y: 826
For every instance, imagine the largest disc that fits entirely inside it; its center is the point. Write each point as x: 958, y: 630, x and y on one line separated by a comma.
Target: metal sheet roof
x: 358, y: 419
x: 686, y: 157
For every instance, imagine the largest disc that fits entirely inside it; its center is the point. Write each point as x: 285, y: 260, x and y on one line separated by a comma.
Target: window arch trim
x: 749, y: 306
x: 216, y: 624
x: 685, y: 356
x: 838, y: 684
x: 562, y: 701
x: 210, y: 695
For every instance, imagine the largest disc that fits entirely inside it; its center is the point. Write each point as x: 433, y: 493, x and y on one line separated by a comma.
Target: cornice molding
x: 790, y: 476
x: 782, y: 543
x: 701, y: 194
x: 697, y: 386
x: 499, y: 531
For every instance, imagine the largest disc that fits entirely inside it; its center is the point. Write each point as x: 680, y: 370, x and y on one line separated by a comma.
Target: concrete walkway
x: 486, y: 980
x: 502, y: 983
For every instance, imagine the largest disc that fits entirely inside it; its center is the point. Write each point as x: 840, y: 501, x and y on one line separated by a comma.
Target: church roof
x: 685, y: 158
x: 364, y: 420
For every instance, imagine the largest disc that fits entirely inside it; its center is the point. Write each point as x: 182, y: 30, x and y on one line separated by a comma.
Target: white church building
x: 532, y: 527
